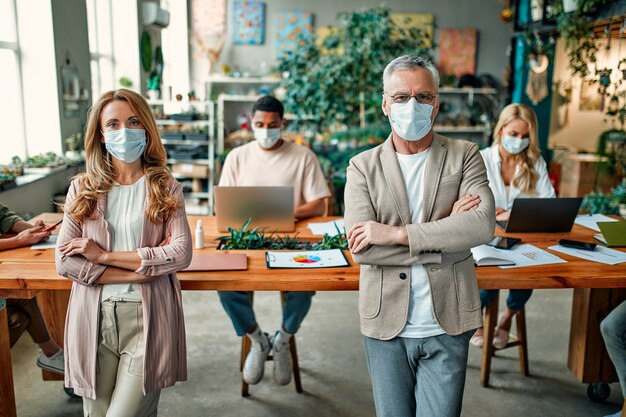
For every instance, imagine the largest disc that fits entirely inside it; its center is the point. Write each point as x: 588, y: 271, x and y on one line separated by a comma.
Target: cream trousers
x: 119, y: 371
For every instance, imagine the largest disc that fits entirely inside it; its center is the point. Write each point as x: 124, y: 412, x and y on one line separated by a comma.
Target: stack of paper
x: 590, y: 220
x: 331, y: 228
x: 599, y: 254
x: 530, y: 255
x: 51, y: 243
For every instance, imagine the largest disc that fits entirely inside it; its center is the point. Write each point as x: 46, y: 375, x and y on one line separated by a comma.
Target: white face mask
x: 126, y: 145
x: 411, y: 120
x: 266, y: 137
x: 513, y: 144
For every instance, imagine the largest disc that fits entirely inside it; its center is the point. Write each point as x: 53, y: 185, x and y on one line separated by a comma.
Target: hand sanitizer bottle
x: 199, y: 235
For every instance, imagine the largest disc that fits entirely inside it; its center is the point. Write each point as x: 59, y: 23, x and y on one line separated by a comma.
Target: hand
x: 32, y: 235
x: 499, y: 210
x: 83, y: 246
x: 371, y: 233
x: 466, y: 203
x: 503, y: 215
x: 39, y: 223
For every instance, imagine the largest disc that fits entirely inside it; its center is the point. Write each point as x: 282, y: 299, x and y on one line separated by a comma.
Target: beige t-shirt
x: 290, y: 165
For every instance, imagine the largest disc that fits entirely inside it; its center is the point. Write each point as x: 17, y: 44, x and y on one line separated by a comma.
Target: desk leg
x: 588, y: 358
x: 489, y: 330
x: 53, y: 306
x: 7, y: 392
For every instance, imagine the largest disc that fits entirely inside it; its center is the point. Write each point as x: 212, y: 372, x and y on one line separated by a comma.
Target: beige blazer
x: 165, y: 356
x: 375, y: 191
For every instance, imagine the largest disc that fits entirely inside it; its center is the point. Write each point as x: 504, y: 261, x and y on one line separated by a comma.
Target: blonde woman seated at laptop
x: 515, y: 169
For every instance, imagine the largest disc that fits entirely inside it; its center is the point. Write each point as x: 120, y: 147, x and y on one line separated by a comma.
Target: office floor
x: 334, y: 374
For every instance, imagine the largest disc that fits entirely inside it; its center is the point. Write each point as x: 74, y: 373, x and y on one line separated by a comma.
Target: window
x: 12, y: 140
x: 100, y: 25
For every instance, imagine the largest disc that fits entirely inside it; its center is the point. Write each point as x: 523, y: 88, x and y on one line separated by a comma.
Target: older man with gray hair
x: 415, y: 205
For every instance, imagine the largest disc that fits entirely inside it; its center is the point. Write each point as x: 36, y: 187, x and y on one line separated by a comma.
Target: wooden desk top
x: 24, y: 269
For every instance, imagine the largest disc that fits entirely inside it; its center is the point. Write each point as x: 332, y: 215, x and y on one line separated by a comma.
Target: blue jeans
x: 422, y: 377
x: 613, y: 329
x: 516, y: 300
x: 239, y: 308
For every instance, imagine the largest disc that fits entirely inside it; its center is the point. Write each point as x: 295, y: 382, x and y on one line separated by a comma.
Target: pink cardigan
x: 165, y: 358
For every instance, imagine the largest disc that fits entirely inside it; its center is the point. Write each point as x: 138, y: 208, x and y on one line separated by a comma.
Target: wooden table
x: 25, y: 273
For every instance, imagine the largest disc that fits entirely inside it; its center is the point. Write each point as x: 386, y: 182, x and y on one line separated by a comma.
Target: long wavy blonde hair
x: 526, y: 176
x: 100, y: 172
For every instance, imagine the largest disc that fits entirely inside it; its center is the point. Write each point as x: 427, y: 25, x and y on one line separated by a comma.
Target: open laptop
x: 547, y: 215
x: 271, y: 208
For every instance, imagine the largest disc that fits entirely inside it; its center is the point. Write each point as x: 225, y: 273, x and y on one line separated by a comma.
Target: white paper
x: 590, y: 221
x: 483, y: 252
x: 51, y: 243
x: 599, y: 254
x: 530, y: 255
x: 329, y: 228
x: 306, y: 259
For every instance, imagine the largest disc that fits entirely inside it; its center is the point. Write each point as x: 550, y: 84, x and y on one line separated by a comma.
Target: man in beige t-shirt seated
x: 272, y: 161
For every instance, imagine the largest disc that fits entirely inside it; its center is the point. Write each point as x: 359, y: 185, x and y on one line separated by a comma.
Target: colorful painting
x: 422, y: 21
x: 321, y: 34
x: 208, y: 17
x: 248, y: 23
x: 290, y: 27
x: 457, y: 51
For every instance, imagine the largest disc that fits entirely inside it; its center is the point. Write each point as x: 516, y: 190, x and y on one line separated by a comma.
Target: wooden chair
x: 246, y: 345
x: 491, y: 321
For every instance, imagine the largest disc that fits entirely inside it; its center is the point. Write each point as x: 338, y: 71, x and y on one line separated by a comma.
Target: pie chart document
x: 330, y: 258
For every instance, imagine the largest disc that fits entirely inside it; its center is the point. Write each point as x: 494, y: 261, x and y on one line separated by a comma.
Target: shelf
x: 184, y: 142
x: 189, y: 161
x: 170, y: 122
x: 239, y: 98
x: 467, y: 90
x: 244, y: 80
x: 459, y: 129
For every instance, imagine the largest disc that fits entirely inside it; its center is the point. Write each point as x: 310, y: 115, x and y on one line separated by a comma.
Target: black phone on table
x: 501, y: 242
x: 576, y: 244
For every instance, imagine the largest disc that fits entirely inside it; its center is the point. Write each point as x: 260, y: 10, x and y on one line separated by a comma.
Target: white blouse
x: 125, y: 216
x: 504, y: 200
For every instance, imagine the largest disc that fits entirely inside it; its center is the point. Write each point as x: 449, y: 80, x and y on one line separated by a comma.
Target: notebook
x: 270, y: 208
x: 218, y: 262
x: 613, y: 233
x: 485, y: 255
x: 547, y: 215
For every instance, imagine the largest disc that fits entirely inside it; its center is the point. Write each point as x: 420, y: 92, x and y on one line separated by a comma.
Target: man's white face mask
x: 411, y: 120
x: 266, y: 137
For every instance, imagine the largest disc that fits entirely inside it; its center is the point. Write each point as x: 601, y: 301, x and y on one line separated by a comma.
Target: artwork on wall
x: 457, y: 51
x: 324, y: 32
x: 208, y: 30
x: 248, y: 23
x: 590, y: 97
x: 290, y: 27
x: 422, y: 21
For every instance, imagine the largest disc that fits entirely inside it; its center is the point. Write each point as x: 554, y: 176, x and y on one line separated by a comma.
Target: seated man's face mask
x: 266, y: 137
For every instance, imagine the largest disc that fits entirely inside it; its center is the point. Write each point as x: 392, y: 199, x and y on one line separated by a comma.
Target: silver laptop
x: 271, y: 208
x: 547, y: 215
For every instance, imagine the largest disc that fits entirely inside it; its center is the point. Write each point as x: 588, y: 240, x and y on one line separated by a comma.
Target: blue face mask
x: 514, y: 144
x: 411, y: 120
x: 125, y: 145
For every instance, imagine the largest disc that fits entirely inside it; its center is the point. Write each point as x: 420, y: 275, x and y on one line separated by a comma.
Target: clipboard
x: 331, y: 258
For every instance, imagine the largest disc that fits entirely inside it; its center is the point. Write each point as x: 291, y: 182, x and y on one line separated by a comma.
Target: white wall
x: 582, y: 128
x: 493, y: 36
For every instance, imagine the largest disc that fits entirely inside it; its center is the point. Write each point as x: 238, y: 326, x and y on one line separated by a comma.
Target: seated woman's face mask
x: 125, y: 145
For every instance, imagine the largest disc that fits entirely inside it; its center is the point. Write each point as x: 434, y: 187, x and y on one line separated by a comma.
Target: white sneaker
x: 54, y: 363
x: 283, y: 363
x: 254, y: 367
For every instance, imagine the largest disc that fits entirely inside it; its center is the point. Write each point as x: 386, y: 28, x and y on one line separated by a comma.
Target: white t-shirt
x: 125, y: 216
x: 290, y: 165
x: 420, y: 321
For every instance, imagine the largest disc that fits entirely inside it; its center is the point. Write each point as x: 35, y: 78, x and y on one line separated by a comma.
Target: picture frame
x: 536, y: 10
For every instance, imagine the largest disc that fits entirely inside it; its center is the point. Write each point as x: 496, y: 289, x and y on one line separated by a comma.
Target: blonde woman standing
x: 124, y: 236
x: 515, y: 169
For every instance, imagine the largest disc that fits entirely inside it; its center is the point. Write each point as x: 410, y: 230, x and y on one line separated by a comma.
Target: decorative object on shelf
x: 536, y: 10
x: 154, y: 86
x: 457, y: 51
x: 125, y: 82
x: 537, y: 84
x: 153, y: 15
x: 506, y: 14
x: 590, y: 97
x: 209, y: 49
x: 562, y: 97
x: 292, y: 30
x: 248, y: 23
x: 71, y: 91
x: 146, y: 51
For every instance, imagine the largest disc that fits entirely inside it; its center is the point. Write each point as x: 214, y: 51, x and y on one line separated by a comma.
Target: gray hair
x: 410, y: 62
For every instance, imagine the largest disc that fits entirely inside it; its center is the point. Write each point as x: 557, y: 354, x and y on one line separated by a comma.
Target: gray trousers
x: 613, y: 329
x: 418, y: 377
